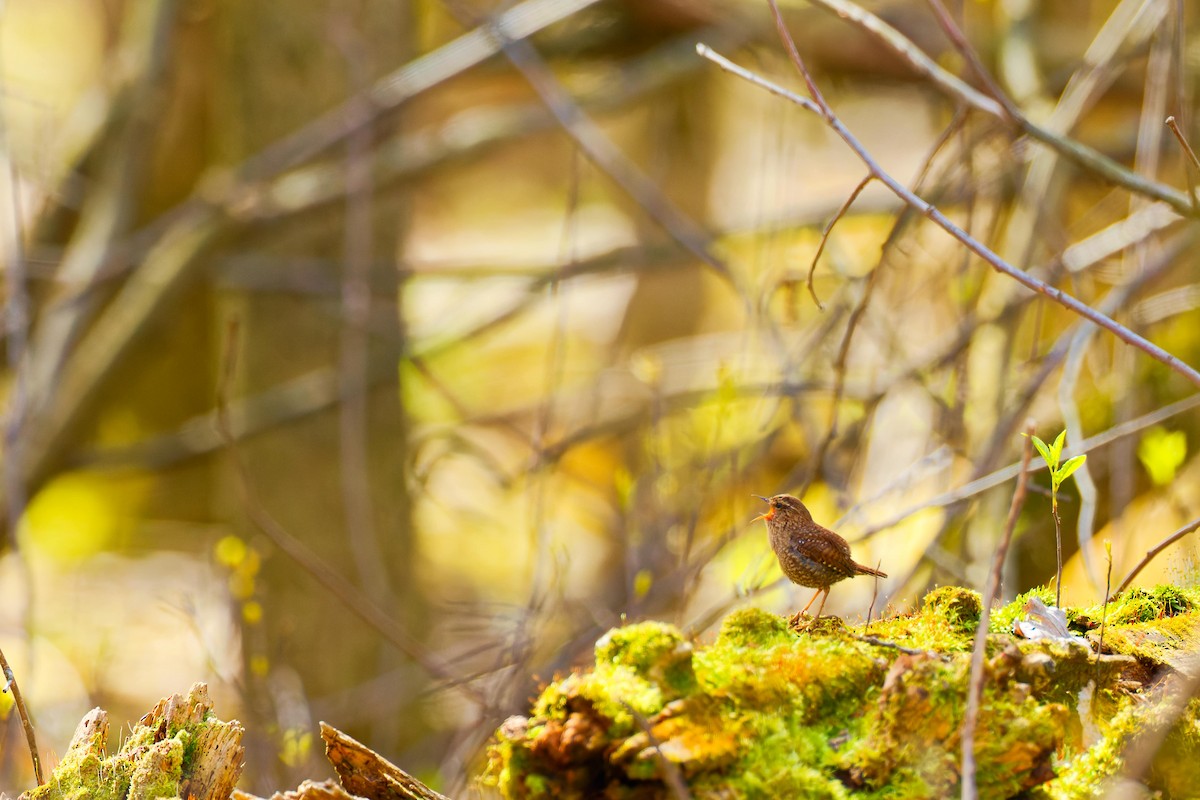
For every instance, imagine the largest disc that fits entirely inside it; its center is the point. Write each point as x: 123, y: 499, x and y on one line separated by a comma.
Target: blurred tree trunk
x: 334, y: 480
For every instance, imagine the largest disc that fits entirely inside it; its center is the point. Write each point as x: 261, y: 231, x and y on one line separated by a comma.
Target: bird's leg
x: 810, y: 602
x: 824, y: 597
x: 795, y: 623
x: 795, y: 620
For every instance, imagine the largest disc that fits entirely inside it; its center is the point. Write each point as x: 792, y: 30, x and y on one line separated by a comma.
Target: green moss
x: 1016, y: 736
x: 1148, y: 605
x: 654, y: 651
x: 753, y: 627
x: 814, y: 677
x: 946, y: 622
x: 1086, y: 774
x: 958, y: 607
x: 831, y: 712
x: 153, y: 760
x: 158, y: 769
x: 1156, y: 643
x: 1174, y: 767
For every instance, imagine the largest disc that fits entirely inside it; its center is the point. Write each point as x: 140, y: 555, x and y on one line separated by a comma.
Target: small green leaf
x: 1161, y: 453
x: 1056, y: 450
x: 1064, y: 472
x: 1044, y: 450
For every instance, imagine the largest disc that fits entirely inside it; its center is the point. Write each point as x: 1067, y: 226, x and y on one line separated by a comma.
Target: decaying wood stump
x: 182, y: 750
x: 179, y: 749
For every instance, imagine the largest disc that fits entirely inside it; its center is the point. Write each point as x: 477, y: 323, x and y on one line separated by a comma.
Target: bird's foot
x: 801, y: 622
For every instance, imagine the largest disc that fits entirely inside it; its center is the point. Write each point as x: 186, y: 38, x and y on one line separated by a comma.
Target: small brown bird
x: 808, y: 554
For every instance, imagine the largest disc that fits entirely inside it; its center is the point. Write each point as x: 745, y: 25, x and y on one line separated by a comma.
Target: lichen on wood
x: 179, y: 749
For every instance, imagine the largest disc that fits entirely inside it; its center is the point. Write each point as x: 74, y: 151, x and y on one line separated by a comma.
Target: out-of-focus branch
x: 1007, y: 473
x: 169, y: 251
x: 405, y: 83
x: 112, y: 198
x: 601, y: 151
x: 975, y: 246
x: 951, y: 85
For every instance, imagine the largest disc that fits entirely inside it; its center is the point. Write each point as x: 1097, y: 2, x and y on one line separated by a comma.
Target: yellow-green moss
x: 157, y: 772
x: 142, y: 770
x: 946, y: 622
x: 155, y: 756
x: 1148, y: 605
x: 830, y: 712
x: 753, y: 627
x: 958, y: 607
x: 638, y: 669
x: 654, y: 651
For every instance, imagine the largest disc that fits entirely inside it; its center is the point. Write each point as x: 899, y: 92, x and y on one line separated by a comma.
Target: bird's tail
x: 860, y: 569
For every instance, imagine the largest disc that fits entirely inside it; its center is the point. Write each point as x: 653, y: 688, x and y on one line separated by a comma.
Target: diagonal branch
x: 954, y: 87
x: 601, y: 151
x: 972, y: 244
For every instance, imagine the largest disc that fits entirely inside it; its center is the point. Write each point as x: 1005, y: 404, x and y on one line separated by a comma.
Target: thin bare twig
x: 874, y: 596
x: 600, y: 149
x: 1180, y: 85
x: 840, y: 366
x: 841, y: 212
x: 995, y: 261
x: 912, y: 651
x: 1107, y: 597
x: 975, y: 683
x: 955, y: 33
x: 672, y: 775
x: 1183, y: 142
x: 956, y: 88
x: 801, y: 67
x: 23, y: 712
x: 1154, y: 551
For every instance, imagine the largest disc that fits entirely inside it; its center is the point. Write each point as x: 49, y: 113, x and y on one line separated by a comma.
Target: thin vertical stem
x: 23, y: 712
x: 975, y: 685
x: 1058, y: 550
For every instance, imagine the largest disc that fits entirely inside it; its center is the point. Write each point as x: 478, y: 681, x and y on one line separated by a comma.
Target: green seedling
x: 1059, y: 472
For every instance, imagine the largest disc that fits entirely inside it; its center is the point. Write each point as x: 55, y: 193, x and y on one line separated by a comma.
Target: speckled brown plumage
x: 809, y: 554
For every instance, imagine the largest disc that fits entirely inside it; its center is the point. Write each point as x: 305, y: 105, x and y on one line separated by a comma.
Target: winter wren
x: 809, y: 554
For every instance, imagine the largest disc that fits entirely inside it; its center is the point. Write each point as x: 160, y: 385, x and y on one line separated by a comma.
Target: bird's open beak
x: 767, y: 515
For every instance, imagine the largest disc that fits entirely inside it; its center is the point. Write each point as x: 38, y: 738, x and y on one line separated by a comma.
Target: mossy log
x: 830, y: 711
